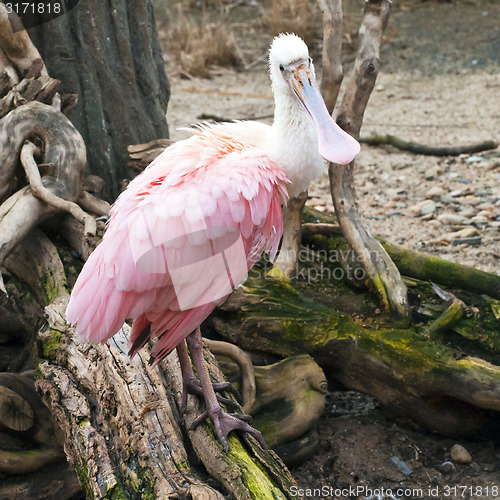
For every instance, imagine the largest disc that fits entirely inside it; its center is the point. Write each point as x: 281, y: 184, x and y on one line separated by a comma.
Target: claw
x: 193, y: 386
x: 224, y: 423
x: 227, y: 387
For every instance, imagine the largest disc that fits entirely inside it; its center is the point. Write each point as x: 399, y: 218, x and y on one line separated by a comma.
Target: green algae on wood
x: 420, y: 367
x: 254, y: 477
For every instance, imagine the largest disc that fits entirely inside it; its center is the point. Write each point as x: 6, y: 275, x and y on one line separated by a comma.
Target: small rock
x: 448, y: 218
x: 475, y: 466
x: 402, y: 466
x: 474, y: 159
x: 425, y: 207
x: 435, y: 191
x: 490, y: 214
x: 480, y: 219
x: 460, y: 455
x: 447, y: 467
x: 471, y: 200
x: 467, y: 232
x: 474, y: 241
x: 486, y: 205
x: 467, y: 212
x: 446, y: 198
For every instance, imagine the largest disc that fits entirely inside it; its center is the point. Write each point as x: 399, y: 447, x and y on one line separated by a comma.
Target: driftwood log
x: 285, y: 398
x: 441, y: 372
x: 125, y: 432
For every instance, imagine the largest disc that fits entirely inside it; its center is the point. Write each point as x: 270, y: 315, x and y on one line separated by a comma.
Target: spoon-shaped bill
x: 334, y: 144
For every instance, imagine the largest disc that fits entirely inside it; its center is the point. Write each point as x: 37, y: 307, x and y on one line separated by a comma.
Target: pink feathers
x: 180, y: 239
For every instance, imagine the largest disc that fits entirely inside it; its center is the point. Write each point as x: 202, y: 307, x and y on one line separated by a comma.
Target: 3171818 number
x: 21, y: 8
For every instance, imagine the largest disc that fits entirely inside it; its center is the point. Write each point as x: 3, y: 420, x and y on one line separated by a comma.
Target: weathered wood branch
x: 246, y: 368
x: 47, y: 196
x: 410, y: 262
x: 141, y: 155
x: 366, y: 66
x: 63, y: 149
x: 333, y: 71
x: 422, y: 149
x: 124, y: 430
x: 286, y: 261
x: 383, y: 276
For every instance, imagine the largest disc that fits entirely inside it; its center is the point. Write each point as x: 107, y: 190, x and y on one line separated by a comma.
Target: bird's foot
x: 224, y: 423
x: 192, y: 385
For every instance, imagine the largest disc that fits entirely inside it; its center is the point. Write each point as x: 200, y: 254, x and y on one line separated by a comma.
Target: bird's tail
x: 96, y: 307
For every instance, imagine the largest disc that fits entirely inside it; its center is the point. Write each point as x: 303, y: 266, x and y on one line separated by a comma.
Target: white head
x: 293, y: 77
x: 285, y: 50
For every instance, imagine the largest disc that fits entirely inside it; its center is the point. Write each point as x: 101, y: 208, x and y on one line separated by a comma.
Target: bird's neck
x: 295, y: 143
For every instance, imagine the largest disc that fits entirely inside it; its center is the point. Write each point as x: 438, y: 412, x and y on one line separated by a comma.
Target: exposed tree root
x: 59, y: 147
x: 245, y: 365
x: 413, y: 263
x: 123, y: 427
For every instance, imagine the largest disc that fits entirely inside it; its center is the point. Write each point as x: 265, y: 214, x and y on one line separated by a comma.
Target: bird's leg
x: 224, y: 422
x: 191, y: 385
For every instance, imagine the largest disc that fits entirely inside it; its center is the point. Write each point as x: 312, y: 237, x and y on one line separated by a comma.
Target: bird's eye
x: 282, y: 68
x: 310, y: 60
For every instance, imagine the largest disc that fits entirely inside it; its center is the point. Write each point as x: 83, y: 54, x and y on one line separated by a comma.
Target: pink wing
x: 180, y: 239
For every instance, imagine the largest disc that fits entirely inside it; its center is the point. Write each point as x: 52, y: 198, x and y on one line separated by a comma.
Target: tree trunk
x: 108, y: 54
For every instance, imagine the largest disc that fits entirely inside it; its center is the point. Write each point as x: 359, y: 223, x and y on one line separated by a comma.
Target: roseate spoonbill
x: 187, y: 230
